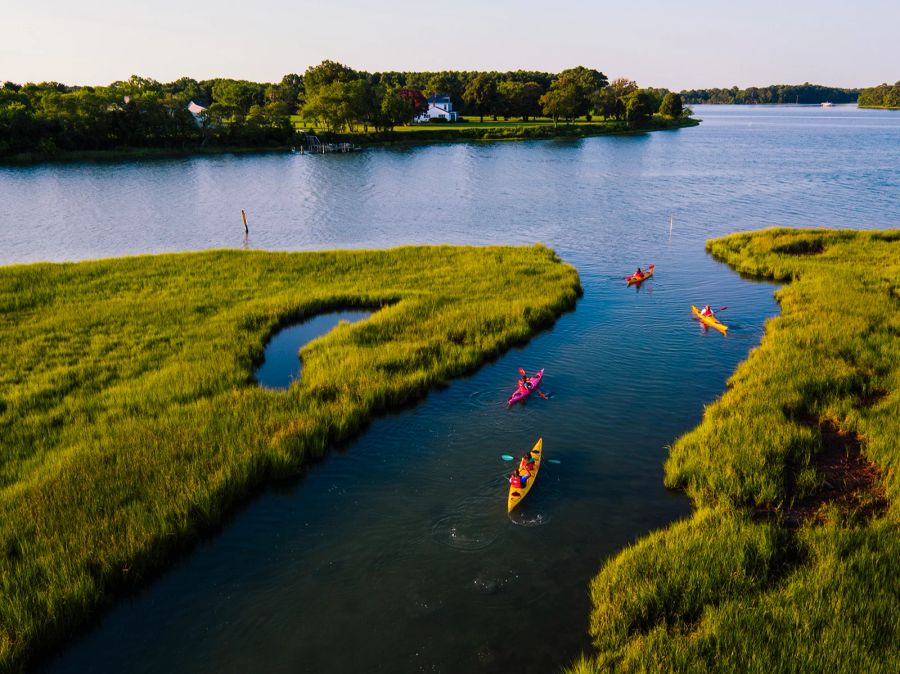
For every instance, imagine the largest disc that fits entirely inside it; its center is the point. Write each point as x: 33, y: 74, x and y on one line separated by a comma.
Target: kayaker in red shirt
x: 638, y: 274
x: 527, y: 463
x: 707, y: 311
x: 515, y: 480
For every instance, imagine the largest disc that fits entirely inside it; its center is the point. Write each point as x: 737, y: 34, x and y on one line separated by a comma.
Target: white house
x: 439, y: 107
x: 198, y: 111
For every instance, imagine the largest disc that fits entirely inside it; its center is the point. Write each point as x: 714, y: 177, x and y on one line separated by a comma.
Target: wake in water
x: 474, y: 524
x: 523, y: 518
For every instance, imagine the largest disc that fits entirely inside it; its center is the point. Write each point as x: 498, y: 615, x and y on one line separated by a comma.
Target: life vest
x: 515, y: 480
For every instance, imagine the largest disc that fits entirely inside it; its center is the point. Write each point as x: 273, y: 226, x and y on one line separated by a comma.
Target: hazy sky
x: 686, y: 44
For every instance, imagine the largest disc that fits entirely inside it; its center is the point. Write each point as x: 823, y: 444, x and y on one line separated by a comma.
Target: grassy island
x: 790, y: 562
x: 535, y: 129
x: 131, y: 422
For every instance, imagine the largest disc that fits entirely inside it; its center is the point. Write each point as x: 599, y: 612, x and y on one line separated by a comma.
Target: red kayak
x: 523, y: 390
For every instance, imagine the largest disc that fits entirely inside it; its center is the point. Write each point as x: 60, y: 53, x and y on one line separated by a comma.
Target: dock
x: 312, y: 145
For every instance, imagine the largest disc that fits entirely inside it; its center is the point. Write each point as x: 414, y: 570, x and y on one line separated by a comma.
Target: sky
x: 676, y: 45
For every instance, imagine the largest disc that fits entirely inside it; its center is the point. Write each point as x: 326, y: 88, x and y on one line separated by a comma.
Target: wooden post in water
x: 244, y: 217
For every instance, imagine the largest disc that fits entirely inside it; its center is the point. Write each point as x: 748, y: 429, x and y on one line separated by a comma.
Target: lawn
x: 790, y: 562
x: 535, y: 128
x: 131, y: 422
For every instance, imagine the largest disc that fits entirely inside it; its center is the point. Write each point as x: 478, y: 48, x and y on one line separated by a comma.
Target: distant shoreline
x: 426, y: 136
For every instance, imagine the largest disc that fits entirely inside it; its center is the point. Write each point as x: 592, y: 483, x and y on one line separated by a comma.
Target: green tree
x: 480, y: 94
x: 329, y: 105
x: 639, y: 108
x: 327, y: 72
x: 136, y: 85
x: 187, y: 90
x: 19, y: 128
x: 610, y: 101
x: 363, y: 104
x: 396, y: 107
x: 531, y: 100
x: 519, y: 99
x: 238, y: 95
x: 561, y: 102
x: 582, y: 83
x: 509, y: 97
x: 882, y: 96
x: 446, y: 82
x: 289, y: 91
x: 672, y: 105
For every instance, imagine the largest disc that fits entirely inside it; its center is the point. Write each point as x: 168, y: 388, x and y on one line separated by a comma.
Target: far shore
x: 473, y: 132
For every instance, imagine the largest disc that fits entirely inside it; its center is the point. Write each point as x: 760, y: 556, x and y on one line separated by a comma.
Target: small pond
x: 281, y: 363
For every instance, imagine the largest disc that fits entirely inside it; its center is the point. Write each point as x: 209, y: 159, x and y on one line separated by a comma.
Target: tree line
x: 143, y: 113
x: 50, y: 117
x: 776, y: 93
x: 340, y: 98
x: 882, y: 96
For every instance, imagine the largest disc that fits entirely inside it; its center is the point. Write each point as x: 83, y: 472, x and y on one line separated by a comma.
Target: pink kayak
x: 523, y: 390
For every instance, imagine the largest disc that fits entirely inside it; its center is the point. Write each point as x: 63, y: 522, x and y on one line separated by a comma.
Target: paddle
x: 539, y: 392
x: 508, y: 457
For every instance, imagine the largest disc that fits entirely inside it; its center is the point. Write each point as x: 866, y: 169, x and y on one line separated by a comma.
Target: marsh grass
x: 130, y: 420
x: 725, y: 592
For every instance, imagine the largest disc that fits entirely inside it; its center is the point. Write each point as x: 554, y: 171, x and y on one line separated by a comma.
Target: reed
x: 130, y: 420
x: 784, y: 566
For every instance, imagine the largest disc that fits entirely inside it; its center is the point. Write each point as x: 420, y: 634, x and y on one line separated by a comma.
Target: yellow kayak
x: 711, y: 321
x: 516, y: 494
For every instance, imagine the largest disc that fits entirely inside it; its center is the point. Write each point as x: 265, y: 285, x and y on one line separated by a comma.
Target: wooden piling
x: 244, y: 217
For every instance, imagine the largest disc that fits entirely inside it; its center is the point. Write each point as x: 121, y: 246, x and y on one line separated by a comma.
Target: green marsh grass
x: 732, y: 588
x: 130, y: 420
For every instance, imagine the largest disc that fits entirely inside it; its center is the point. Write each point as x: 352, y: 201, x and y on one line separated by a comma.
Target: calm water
x: 395, y: 554
x: 281, y: 364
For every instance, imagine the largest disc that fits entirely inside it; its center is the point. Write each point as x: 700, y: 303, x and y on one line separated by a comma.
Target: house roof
x: 195, y: 109
x: 439, y: 98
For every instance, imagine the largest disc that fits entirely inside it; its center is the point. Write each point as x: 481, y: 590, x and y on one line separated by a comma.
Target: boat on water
x: 827, y: 104
x: 516, y: 494
x: 710, y: 321
x: 523, y: 390
x: 634, y: 278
